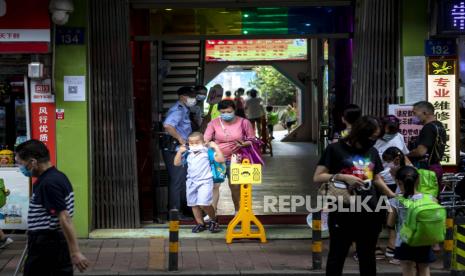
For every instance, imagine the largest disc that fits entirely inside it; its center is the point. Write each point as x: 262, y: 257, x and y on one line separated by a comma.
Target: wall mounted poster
x: 14, y: 214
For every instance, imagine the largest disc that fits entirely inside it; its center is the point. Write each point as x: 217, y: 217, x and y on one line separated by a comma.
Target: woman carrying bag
x: 354, y: 163
x: 233, y: 135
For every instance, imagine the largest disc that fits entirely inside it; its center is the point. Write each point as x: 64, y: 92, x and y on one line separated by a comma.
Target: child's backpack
x: 4, y: 193
x: 218, y: 169
x: 425, y: 222
x: 428, y: 182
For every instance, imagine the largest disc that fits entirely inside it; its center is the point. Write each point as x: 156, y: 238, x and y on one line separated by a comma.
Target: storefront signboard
x: 43, y: 126
x: 442, y: 93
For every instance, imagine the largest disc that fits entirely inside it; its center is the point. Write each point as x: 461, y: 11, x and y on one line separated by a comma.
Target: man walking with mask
x: 431, y: 142
x: 178, y: 126
x: 52, y: 247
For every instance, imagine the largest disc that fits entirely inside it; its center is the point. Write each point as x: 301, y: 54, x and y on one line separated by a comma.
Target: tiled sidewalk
x: 197, y: 257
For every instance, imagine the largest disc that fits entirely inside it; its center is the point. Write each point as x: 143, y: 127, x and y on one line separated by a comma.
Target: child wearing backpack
x: 419, y: 222
x: 200, y: 179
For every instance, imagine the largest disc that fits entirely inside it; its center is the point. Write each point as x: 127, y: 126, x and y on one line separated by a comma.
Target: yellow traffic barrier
x: 458, y: 256
x: 245, y: 174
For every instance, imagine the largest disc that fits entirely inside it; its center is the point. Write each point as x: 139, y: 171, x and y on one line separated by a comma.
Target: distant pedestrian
x: 53, y: 248
x: 199, y: 184
x: 350, y: 115
x: 272, y: 119
x: 254, y: 110
x: 240, y: 103
x: 290, y: 118
x: 228, y: 96
x: 196, y: 111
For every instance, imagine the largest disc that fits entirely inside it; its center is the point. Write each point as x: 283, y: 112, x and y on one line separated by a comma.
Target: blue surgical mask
x: 201, y: 98
x: 416, y: 120
x: 228, y: 117
x: 25, y: 171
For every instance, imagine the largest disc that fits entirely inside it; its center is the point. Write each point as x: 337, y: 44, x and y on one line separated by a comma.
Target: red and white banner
x: 25, y: 28
x: 43, y: 126
x: 442, y: 93
x: 24, y: 35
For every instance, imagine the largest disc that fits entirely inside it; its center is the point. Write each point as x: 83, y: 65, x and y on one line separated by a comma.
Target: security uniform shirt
x: 178, y: 117
x: 51, y: 194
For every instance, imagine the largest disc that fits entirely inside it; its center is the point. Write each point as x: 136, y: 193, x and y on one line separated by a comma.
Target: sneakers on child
x: 214, y: 226
x: 199, y: 228
x: 5, y: 242
x: 207, y: 219
x: 389, y: 253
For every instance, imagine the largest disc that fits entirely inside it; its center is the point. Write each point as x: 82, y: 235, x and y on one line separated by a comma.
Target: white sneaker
x: 206, y: 219
x: 4, y: 243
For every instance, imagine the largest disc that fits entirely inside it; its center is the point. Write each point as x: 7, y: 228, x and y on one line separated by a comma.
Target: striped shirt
x: 51, y: 194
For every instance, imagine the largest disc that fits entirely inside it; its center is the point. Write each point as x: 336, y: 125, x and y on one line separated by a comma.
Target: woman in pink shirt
x: 229, y: 132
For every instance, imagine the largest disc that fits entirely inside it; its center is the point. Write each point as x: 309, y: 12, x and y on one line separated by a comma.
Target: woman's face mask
x: 228, y: 117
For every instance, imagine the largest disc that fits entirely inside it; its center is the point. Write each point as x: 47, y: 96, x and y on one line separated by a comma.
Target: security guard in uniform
x: 178, y: 126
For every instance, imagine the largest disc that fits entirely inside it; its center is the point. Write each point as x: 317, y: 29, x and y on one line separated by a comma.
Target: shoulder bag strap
x: 435, y: 150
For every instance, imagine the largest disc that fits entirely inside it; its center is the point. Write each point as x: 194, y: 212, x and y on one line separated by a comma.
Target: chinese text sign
x: 442, y: 93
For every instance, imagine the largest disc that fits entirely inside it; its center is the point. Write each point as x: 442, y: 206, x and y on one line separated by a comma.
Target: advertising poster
x: 14, y: 214
x: 404, y: 113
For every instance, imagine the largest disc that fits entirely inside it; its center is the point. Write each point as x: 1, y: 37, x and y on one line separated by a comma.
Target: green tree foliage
x: 274, y: 86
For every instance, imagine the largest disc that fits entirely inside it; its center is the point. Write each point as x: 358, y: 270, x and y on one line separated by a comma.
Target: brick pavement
x: 197, y: 257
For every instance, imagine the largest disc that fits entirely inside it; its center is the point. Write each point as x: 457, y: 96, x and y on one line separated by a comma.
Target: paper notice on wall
x: 408, y: 129
x: 415, y: 79
x: 75, y: 88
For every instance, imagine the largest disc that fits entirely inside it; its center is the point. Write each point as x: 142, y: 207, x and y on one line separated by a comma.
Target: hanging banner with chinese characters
x: 442, y: 93
x: 43, y: 126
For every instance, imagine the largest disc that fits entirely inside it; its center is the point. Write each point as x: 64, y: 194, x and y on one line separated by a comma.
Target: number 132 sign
x: 440, y: 47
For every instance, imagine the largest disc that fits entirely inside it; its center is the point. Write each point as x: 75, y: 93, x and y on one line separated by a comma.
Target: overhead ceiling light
x: 308, y: 24
x: 246, y: 32
x: 246, y: 15
x: 168, y: 9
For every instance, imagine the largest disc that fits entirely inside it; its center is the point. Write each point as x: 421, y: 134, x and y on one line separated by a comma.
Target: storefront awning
x: 26, y: 27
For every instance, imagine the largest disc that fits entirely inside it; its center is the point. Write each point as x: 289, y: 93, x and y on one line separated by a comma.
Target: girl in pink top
x: 229, y: 132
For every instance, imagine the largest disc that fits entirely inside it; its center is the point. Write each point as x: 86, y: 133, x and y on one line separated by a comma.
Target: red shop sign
x: 43, y: 127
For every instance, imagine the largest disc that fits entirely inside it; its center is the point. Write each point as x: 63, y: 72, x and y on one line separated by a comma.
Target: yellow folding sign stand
x: 245, y: 174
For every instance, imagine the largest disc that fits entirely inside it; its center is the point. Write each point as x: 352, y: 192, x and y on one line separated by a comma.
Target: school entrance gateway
x: 187, y: 43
